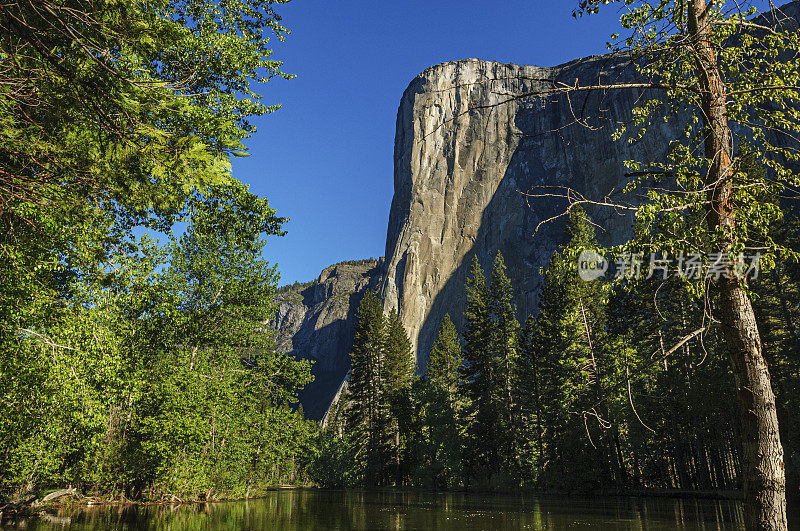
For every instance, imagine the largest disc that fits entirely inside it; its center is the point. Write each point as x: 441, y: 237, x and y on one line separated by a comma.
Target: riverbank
x: 32, y: 504
x: 313, y: 508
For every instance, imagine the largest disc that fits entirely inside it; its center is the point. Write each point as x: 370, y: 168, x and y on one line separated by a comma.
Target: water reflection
x: 316, y: 509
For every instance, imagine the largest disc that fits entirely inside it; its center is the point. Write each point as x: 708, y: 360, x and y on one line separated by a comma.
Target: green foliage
x: 491, y: 360
x: 130, y: 368
x: 398, y: 377
x: 759, y: 68
x: 445, y: 360
x: 529, y: 386
x: 367, y: 413
x: 158, y: 379
x: 438, y: 406
x: 336, y: 464
x: 373, y: 446
x: 478, y: 374
x: 113, y: 114
x: 399, y: 360
x: 505, y: 355
x: 573, y: 370
x: 606, y: 392
x: 730, y: 83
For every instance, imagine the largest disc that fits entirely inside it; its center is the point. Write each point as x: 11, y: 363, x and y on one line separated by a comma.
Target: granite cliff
x: 315, y: 321
x: 465, y: 153
x: 463, y: 160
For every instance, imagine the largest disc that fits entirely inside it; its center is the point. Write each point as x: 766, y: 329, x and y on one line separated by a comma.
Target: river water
x: 321, y: 509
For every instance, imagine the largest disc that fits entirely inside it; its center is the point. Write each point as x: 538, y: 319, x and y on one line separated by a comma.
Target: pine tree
x: 527, y: 383
x: 446, y: 360
x: 367, y: 415
x: 399, y: 364
x: 443, y: 405
x: 505, y: 357
x: 398, y: 376
x: 480, y: 416
x: 570, y: 332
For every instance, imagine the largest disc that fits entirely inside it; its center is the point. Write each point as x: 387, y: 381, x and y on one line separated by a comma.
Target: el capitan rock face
x: 457, y: 193
x: 465, y: 151
x: 463, y: 156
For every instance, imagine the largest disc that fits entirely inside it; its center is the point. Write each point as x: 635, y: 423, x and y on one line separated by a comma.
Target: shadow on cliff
x: 510, y: 219
x: 522, y: 263
x: 316, y: 396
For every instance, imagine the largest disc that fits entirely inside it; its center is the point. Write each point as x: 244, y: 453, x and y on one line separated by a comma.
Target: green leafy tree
x: 223, y: 395
x: 112, y: 114
x: 160, y: 380
x: 727, y: 79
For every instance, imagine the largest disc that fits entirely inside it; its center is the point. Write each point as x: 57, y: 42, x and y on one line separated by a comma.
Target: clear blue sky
x: 325, y: 159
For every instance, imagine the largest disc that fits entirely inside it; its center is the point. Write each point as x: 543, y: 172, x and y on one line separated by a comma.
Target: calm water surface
x: 315, y: 509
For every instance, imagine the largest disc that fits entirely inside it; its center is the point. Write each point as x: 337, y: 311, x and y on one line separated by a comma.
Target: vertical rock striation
x: 464, y: 155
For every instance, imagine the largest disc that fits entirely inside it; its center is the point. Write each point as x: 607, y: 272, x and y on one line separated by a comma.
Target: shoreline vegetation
x: 20, y: 508
x: 31, y: 504
x: 133, y: 358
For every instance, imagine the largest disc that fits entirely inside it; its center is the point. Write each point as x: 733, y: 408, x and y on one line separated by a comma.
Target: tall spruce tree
x: 481, y: 416
x: 505, y: 357
x: 443, y: 406
x: 367, y: 414
x: 527, y: 383
x: 446, y: 360
x: 570, y: 330
x: 398, y: 376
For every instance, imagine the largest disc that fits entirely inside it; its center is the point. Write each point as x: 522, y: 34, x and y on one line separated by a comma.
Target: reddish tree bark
x: 762, y: 467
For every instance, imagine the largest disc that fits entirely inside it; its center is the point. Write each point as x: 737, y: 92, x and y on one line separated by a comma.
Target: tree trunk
x: 762, y: 454
x: 762, y: 457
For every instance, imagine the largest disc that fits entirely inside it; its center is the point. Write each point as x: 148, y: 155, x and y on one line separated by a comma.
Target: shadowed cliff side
x: 315, y: 321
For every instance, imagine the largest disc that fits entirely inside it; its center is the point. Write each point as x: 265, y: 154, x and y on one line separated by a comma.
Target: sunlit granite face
x: 465, y: 153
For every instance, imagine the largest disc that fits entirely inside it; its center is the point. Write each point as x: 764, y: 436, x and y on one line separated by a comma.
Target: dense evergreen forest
x: 596, y: 393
